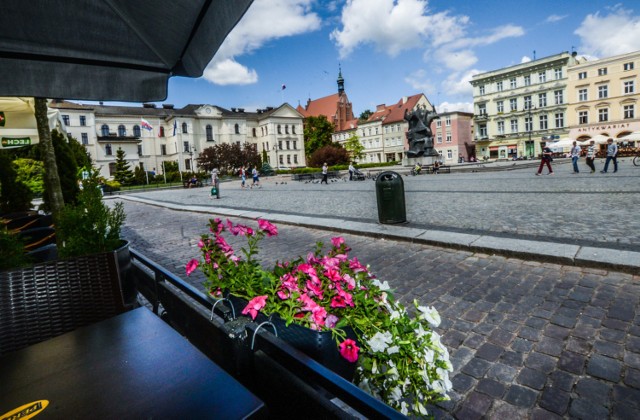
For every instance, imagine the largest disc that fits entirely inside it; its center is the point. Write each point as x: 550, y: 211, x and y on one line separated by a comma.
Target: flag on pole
x: 175, y: 127
x: 145, y: 124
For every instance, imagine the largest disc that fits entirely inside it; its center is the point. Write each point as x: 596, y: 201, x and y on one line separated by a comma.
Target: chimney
x: 240, y: 109
x: 405, y: 99
x: 148, y: 105
x: 380, y: 107
x: 167, y: 106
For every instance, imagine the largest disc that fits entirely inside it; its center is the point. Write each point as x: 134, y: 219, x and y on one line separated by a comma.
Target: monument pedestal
x: 422, y: 160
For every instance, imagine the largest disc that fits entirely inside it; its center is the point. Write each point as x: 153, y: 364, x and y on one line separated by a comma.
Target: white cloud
x: 617, y: 32
x: 230, y: 72
x: 420, y: 82
x: 266, y: 20
x: 455, y: 106
x: 555, y: 18
x: 459, y: 83
x: 525, y: 59
x: 455, y: 60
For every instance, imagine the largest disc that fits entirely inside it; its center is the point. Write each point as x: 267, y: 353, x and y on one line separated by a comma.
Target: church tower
x: 340, y: 81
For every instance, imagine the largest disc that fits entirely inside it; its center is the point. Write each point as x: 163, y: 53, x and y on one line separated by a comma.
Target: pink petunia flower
x: 200, y: 244
x: 337, y: 241
x: 319, y: 314
x: 191, y: 266
x: 331, y: 321
x: 349, y: 350
x: 268, y: 228
x: 332, y: 274
x: 338, y: 302
x: 314, y: 288
x: 356, y: 266
x: 254, y: 306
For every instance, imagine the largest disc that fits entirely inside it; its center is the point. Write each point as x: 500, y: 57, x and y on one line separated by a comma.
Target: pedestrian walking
x: 256, y: 179
x: 591, y: 155
x: 243, y: 176
x: 215, y: 187
x: 325, y: 168
x: 351, y: 171
x: 575, y: 155
x: 547, y: 158
x: 612, y: 153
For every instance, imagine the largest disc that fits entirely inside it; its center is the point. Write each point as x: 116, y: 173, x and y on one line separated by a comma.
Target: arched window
x: 122, y: 131
x: 107, y: 150
x: 136, y: 131
x: 254, y: 132
x: 237, y: 129
x: 286, y: 129
x: 209, y: 131
x: 161, y: 131
x: 105, y: 130
x: 112, y: 169
x: 279, y: 129
x: 184, y: 128
x: 293, y: 129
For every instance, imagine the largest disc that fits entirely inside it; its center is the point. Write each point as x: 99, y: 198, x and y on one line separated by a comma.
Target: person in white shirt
x: 256, y: 180
x: 591, y: 155
x: 325, y: 168
x: 575, y: 155
x: 612, y: 153
x: 351, y: 171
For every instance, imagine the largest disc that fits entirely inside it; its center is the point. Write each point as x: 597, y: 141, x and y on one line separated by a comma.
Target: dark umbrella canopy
x: 122, y: 50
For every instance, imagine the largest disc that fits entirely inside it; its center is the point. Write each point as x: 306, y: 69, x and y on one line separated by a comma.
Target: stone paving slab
x: 528, y: 339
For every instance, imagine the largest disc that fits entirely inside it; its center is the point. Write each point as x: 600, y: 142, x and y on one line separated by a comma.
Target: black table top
x: 130, y: 366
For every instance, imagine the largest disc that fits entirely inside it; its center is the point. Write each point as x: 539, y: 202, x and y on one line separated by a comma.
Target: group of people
x: 254, y: 174
x: 576, y: 151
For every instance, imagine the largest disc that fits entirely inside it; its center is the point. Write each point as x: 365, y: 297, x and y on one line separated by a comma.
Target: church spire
x: 340, y: 81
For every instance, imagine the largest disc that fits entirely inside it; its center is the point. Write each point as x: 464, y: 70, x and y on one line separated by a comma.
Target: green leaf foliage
x: 317, y: 133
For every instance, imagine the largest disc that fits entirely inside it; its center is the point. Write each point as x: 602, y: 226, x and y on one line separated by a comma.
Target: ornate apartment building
x: 453, y: 136
x: 151, y: 135
x: 604, y: 97
x: 520, y: 107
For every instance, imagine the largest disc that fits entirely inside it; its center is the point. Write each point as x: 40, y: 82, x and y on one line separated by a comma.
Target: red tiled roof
x: 326, y: 106
x: 396, y: 112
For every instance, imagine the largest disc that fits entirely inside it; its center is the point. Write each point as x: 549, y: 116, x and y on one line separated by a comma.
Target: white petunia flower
x: 396, y: 394
x: 393, y: 350
x: 382, y: 286
x: 380, y: 341
x: 430, y: 314
x: 404, y: 408
x: 420, y: 332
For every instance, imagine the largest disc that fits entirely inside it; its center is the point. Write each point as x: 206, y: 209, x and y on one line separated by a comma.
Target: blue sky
x: 393, y: 48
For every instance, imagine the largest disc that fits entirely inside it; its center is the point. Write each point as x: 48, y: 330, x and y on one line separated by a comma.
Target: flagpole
x: 164, y: 172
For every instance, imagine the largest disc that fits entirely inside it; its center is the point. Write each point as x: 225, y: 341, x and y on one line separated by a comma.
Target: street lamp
x: 529, y: 146
x: 192, y: 149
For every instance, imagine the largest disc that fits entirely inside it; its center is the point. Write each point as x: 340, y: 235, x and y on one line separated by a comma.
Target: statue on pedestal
x: 419, y: 133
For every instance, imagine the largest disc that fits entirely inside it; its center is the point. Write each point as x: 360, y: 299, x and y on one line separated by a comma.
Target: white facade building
x: 180, y: 134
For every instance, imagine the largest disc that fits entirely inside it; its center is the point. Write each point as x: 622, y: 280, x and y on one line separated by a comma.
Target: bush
x: 111, y: 186
x: 330, y: 154
x: 14, y: 195
x: 11, y: 251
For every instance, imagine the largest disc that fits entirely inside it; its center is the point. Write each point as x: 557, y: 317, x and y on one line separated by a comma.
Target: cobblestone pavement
x: 584, y: 209
x: 527, y: 339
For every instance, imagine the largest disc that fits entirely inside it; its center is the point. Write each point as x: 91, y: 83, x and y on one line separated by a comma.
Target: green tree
x: 123, y: 172
x: 331, y: 154
x: 79, y: 153
x: 354, y: 147
x: 364, y: 116
x: 51, y: 178
x: 228, y: 158
x: 31, y: 173
x: 14, y: 195
x: 317, y: 133
x: 67, y: 168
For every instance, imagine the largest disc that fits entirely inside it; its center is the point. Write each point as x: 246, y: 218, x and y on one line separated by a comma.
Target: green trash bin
x: 390, y: 196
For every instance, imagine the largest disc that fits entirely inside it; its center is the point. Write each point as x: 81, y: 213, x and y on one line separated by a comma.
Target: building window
x: 542, y: 100
x: 279, y: 129
x: 85, y: 138
x: 161, y: 133
x: 500, y: 127
x: 603, y: 91
x: 514, y: 126
x: 286, y: 129
x: 629, y: 87
x: 544, y: 122
x: 295, y: 159
x: 253, y: 131
x: 185, y: 146
x: 499, y: 87
x: 187, y: 164
x: 136, y: 131
x: 528, y: 124
x: 448, y: 138
x: 583, y: 117
x: 237, y: 129
x: 558, y: 73
x: 629, y: 111
x: 527, y: 80
x: 209, y: 132
x: 602, y: 71
x: 582, y: 75
x: 163, y: 149
x: 482, y: 130
x: 280, y: 145
x: 603, y: 114
x: 139, y: 150
x: 108, y: 150
x: 288, y: 145
x: 559, y: 120
x: 295, y: 145
x: 65, y: 119
x: 542, y: 76
x: 481, y: 89
x: 513, y: 104
x: 513, y: 83
x: 559, y: 97
x: 184, y: 128
x: 112, y: 169
x: 500, y: 107
x: 281, y: 160
x: 449, y: 154
x: 293, y: 130
x: 482, y: 109
x: 83, y: 120
x: 104, y: 130
x: 582, y: 95
x: 627, y: 66
x: 439, y: 138
x: 527, y: 102
x: 122, y: 131
x: 438, y: 123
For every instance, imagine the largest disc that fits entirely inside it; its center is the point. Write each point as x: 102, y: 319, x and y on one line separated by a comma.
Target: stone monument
x: 419, y: 134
